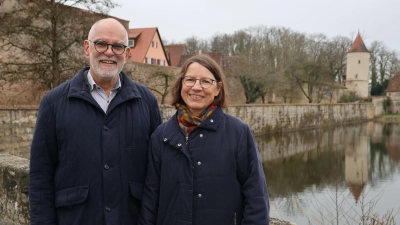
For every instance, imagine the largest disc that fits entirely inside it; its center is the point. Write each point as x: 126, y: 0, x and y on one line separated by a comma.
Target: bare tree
x: 337, y: 49
x: 383, y: 66
x: 221, y: 43
x: 195, y: 44
x: 42, y: 39
x: 312, y: 70
x: 162, y: 87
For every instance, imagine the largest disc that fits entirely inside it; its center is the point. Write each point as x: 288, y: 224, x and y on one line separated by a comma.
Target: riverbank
x: 388, y: 118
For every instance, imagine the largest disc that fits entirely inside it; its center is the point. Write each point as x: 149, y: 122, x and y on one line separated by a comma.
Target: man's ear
x: 127, y: 54
x: 86, y: 48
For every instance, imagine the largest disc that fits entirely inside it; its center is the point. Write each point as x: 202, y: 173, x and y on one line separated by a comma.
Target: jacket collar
x: 173, y: 135
x: 79, y: 88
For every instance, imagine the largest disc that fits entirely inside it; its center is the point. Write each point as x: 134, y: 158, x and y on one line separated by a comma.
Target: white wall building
x: 357, y: 71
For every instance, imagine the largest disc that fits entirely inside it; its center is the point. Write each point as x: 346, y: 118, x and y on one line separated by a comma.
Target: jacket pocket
x: 71, y: 196
x: 136, y: 190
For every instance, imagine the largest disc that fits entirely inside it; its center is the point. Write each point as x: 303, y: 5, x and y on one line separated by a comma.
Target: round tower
x: 357, y: 70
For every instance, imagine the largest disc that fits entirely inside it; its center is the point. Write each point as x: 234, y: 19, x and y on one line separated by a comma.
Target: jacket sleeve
x: 43, y: 161
x: 251, y: 177
x: 156, y: 119
x: 151, y: 192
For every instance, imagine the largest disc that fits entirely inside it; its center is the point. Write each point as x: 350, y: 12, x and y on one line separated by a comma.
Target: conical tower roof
x: 358, y: 45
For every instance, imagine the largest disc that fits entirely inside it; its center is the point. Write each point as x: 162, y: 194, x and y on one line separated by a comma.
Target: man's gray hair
x: 94, y: 25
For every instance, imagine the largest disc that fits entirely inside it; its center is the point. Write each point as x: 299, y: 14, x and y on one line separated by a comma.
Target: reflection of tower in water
x: 356, y: 168
x: 393, y: 142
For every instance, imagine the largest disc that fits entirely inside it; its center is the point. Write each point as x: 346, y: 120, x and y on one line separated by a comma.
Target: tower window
x: 359, y: 61
x: 356, y: 75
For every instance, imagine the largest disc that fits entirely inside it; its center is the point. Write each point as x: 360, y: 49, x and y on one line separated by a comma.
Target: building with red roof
x: 147, y: 47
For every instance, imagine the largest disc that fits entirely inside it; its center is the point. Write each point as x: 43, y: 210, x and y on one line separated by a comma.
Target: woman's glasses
x: 204, y: 82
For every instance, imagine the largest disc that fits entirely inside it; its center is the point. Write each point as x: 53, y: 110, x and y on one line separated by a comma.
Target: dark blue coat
x: 215, y: 178
x: 88, y: 167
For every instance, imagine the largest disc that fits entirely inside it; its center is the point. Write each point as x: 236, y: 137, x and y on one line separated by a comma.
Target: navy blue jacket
x: 215, y: 177
x: 88, y: 167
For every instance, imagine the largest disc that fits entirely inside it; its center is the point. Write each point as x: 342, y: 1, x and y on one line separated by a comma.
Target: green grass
x: 390, y: 116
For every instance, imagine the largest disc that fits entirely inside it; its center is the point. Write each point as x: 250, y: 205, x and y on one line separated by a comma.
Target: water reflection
x: 344, y: 167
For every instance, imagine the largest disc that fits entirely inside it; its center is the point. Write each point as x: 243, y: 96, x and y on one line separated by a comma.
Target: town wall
x: 394, y: 103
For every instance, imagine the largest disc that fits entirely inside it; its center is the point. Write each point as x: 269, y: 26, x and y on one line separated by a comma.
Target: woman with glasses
x: 204, y: 166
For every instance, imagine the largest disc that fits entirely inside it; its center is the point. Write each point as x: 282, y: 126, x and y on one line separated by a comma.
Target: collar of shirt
x: 92, y: 83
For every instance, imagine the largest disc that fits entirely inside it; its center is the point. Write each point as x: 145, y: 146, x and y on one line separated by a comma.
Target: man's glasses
x: 204, y: 82
x: 102, y: 46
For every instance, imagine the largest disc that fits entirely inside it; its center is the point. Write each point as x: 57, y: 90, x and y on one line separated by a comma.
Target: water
x: 335, y: 175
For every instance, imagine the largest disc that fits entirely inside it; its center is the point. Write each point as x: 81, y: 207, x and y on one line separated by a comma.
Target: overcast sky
x: 377, y: 20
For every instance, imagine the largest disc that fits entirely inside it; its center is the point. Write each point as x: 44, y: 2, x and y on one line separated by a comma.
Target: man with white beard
x: 89, y: 150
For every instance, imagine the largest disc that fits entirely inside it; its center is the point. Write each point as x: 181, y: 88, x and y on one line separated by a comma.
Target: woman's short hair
x: 221, y: 99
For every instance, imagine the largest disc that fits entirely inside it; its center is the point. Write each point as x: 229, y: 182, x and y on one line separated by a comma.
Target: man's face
x: 106, y: 65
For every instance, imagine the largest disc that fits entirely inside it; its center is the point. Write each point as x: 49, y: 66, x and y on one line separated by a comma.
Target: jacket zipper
x: 187, y: 138
x: 234, y: 218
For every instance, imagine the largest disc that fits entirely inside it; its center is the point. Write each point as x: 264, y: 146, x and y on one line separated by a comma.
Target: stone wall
x: 17, y: 124
x: 14, y: 203
x: 16, y: 129
x: 277, y: 118
x: 381, y: 106
x: 394, y: 102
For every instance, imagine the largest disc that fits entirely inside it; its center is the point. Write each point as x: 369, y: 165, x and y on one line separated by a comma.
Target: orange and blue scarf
x: 187, y: 121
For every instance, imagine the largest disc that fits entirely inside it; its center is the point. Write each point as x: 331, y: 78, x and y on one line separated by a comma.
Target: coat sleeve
x: 156, y: 116
x: 43, y: 161
x: 151, y: 192
x: 251, y: 177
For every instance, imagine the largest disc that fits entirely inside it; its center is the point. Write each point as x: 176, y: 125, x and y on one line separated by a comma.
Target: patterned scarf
x: 187, y: 122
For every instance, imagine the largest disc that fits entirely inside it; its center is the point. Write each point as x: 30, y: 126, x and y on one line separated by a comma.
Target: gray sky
x: 179, y: 19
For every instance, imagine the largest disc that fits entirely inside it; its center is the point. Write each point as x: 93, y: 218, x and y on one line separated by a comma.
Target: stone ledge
x: 14, y: 181
x: 14, y: 107
x: 13, y: 162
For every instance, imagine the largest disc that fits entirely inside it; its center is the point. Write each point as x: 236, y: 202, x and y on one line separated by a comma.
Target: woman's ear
x: 219, y: 85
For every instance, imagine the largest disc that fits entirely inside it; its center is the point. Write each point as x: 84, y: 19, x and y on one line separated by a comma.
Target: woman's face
x: 196, y: 98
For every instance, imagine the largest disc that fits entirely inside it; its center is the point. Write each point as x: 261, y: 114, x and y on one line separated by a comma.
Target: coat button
x: 212, y: 121
x: 106, y: 166
x: 199, y: 195
x: 105, y: 127
x: 165, y: 139
x: 201, y: 135
x: 107, y: 208
x: 179, y: 144
x: 199, y: 163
